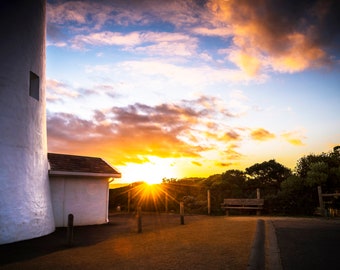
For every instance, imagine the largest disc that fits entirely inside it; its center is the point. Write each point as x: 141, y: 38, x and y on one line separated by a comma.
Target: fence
x: 327, y: 211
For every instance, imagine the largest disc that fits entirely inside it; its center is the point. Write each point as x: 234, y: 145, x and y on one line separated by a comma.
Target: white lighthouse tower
x: 25, y: 200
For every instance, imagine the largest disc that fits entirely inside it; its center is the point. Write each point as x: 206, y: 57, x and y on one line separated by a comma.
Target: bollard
x: 166, y: 203
x: 208, y: 200
x: 258, y: 196
x: 139, y: 219
x: 70, y: 230
x: 129, y: 200
x: 321, y: 203
x: 181, y: 211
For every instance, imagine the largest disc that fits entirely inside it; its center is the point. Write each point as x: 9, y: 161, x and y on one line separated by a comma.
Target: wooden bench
x: 243, y: 204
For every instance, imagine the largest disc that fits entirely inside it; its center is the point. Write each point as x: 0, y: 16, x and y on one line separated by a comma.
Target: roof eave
x: 66, y: 173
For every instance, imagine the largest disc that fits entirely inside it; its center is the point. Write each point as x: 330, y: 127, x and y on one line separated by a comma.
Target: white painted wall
x: 87, y: 199
x: 25, y: 202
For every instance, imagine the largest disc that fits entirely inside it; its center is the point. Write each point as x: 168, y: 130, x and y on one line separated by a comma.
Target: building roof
x: 61, y: 164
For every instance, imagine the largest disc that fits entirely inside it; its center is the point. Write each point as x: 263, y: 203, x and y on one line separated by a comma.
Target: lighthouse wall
x: 25, y: 200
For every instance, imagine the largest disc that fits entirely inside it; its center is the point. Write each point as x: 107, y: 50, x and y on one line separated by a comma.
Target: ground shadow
x: 56, y: 241
x: 119, y: 224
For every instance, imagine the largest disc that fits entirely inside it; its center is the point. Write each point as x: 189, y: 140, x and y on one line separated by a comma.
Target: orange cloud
x: 129, y: 142
x: 224, y: 164
x: 250, y: 63
x: 293, y: 137
x: 231, y: 136
x: 196, y: 163
x: 261, y: 134
x: 301, y: 56
x: 231, y: 153
x: 278, y: 35
x: 132, y: 133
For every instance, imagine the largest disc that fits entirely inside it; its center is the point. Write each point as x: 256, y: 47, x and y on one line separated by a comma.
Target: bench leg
x: 227, y: 212
x: 258, y: 212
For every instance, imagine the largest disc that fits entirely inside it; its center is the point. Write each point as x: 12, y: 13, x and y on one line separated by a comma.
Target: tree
x: 296, y: 196
x: 267, y: 175
x: 317, y: 174
x: 303, y: 164
x: 323, y: 169
x: 234, y: 181
x: 299, y: 193
x: 212, y: 180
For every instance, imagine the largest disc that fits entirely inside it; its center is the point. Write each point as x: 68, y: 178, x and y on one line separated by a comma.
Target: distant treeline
x: 285, y: 192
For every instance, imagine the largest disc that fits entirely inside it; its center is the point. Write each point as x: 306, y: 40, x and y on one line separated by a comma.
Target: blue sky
x: 192, y: 88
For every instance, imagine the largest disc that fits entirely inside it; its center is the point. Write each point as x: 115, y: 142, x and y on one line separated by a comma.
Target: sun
x: 152, y: 172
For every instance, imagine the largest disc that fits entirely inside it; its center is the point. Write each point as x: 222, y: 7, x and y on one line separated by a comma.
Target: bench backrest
x: 243, y: 201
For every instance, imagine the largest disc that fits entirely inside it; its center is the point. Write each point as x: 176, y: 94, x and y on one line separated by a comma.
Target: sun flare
x: 152, y: 172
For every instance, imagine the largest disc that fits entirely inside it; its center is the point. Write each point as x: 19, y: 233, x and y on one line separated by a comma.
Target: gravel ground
x: 203, y: 242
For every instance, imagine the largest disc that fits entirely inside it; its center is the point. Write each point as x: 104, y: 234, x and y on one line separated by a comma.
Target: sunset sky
x: 191, y: 88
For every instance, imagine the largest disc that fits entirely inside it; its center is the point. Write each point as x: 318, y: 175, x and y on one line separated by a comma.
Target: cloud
x: 238, y: 103
x: 78, y: 16
x: 246, y: 61
x: 197, y: 163
x: 224, y: 164
x: 282, y: 36
x: 57, y: 91
x: 74, y: 11
x: 106, y: 38
x: 108, y: 89
x: 170, y: 74
x: 82, y: 15
x: 125, y: 143
x: 150, y: 43
x: 167, y: 44
x: 216, y: 32
x: 286, y: 36
x: 231, y: 153
x: 278, y: 36
x: 93, y: 15
x: 231, y: 136
x: 294, y: 137
x: 261, y: 134
x: 134, y: 132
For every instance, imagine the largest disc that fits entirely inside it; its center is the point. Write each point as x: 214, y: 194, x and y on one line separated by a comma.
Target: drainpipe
x: 111, y: 179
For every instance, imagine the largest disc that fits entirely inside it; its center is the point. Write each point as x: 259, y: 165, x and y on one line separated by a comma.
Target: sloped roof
x: 61, y: 164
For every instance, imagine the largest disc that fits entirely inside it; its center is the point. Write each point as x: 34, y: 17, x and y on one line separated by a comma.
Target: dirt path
x: 202, y: 243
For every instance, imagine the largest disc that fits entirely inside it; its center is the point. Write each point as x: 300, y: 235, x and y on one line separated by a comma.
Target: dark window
x: 34, y: 85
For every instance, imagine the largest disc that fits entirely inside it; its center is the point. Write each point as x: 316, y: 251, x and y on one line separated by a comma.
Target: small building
x: 80, y: 186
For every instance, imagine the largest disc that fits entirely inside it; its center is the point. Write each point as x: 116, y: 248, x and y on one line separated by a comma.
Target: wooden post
x: 181, y: 212
x: 166, y: 203
x: 139, y: 219
x: 258, y: 196
x: 209, y: 206
x: 70, y: 230
x: 322, y: 206
x: 129, y: 200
